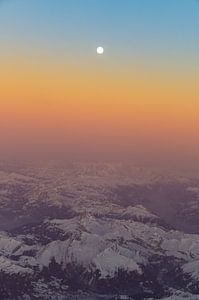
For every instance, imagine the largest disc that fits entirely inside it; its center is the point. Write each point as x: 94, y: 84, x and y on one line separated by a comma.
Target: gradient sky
x: 140, y: 99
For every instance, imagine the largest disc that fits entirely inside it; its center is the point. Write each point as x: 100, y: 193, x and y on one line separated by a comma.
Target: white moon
x: 100, y: 50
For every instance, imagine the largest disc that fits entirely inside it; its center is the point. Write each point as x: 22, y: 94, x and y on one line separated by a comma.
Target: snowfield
x: 102, y: 229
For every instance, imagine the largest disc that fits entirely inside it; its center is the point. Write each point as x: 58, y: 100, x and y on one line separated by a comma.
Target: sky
x: 139, y: 100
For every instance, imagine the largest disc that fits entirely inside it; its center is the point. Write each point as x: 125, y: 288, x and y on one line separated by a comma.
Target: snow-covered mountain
x: 97, y: 231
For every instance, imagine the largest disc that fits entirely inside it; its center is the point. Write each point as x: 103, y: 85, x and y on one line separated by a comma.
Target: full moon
x: 100, y: 50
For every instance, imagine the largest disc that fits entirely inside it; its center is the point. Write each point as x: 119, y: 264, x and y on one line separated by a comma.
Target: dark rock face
x: 172, y: 202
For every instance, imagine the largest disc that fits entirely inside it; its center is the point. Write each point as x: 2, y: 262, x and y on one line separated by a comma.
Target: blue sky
x: 152, y: 28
